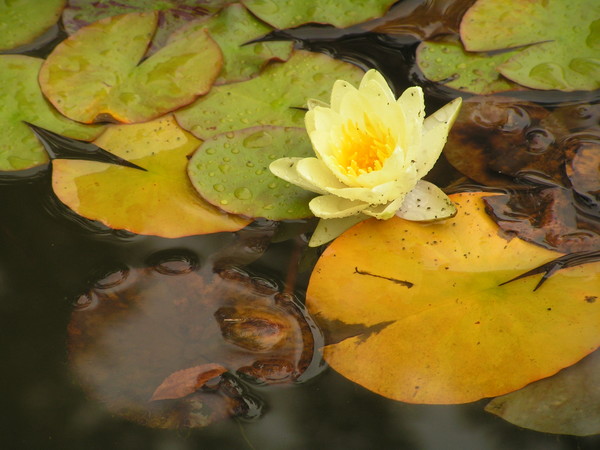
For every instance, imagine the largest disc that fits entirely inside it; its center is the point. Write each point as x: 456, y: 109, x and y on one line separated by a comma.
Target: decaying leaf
x: 566, y: 403
x: 420, y: 315
x: 21, y: 21
x: 186, y: 381
x: 177, y: 333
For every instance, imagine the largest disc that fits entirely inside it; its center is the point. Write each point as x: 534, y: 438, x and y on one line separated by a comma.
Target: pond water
x: 50, y: 256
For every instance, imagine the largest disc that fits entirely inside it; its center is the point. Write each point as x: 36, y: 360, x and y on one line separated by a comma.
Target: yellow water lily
x: 371, y: 153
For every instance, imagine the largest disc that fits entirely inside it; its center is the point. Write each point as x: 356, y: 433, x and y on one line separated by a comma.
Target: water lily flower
x: 372, y: 152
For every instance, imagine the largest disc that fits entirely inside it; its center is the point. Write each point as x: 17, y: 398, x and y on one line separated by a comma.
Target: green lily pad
x: 21, y: 21
x: 21, y: 100
x: 275, y: 97
x: 449, y: 63
x: 231, y: 28
x: 291, y: 13
x: 174, y: 13
x: 563, y: 39
x: 96, y: 74
x: 231, y: 171
x: 567, y: 403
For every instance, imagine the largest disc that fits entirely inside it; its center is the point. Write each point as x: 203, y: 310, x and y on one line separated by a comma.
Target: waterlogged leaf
x: 174, y: 13
x: 423, y: 18
x: 552, y: 218
x: 159, y: 202
x: 416, y: 312
x: 137, y: 328
x: 186, y: 381
x: 22, y: 101
x: 567, y: 403
x: 231, y: 171
x: 563, y: 39
x: 96, y: 74
x: 272, y: 98
x: 498, y: 139
x: 21, y: 21
x: 448, y: 63
x: 583, y: 168
x: 231, y: 29
x: 291, y: 13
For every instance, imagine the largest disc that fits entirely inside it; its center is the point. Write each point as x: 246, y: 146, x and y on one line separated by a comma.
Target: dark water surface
x: 48, y: 257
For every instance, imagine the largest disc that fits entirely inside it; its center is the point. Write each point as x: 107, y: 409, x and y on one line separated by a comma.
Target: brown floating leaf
x: 135, y: 330
x: 186, y: 381
x: 547, y: 217
x: 567, y: 403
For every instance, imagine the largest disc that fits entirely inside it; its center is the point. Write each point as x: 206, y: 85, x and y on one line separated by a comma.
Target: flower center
x: 364, y: 150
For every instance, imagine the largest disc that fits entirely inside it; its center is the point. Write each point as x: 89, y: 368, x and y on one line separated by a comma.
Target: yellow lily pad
x: 160, y: 201
x: 417, y: 312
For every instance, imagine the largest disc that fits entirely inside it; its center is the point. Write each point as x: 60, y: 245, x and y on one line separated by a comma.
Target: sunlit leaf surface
x: 160, y: 201
x: 155, y: 333
x: 21, y: 100
x: 174, y: 13
x: 565, y: 37
x: 272, y: 98
x: 232, y: 28
x: 21, y: 21
x: 567, y: 403
x: 416, y: 312
x: 232, y: 172
x: 448, y: 63
x: 96, y: 74
x: 292, y: 13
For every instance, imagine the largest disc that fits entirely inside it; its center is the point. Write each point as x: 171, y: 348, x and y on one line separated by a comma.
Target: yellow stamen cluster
x: 364, y: 149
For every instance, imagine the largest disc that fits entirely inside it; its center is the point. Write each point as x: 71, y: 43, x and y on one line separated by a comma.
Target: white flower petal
x: 426, y: 202
x: 328, y: 229
x: 340, y: 89
x: 384, y: 212
x: 412, y: 104
x: 373, y: 83
x: 286, y: 168
x: 435, y: 133
x: 333, y: 207
x: 315, y: 171
x: 312, y: 103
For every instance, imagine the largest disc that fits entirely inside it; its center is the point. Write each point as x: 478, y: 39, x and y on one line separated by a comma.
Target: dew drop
x: 259, y: 139
x: 219, y: 187
x: 210, y: 151
x: 242, y: 193
x: 224, y: 202
x: 230, y: 135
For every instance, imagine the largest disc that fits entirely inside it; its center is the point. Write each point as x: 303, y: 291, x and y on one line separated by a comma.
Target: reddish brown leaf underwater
x: 548, y: 160
x: 182, y: 334
x: 184, y: 382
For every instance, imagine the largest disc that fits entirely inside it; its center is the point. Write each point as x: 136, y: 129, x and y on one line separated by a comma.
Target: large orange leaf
x: 160, y: 201
x: 416, y: 312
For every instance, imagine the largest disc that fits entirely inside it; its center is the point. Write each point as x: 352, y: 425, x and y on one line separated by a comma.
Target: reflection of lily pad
x: 231, y: 171
x: 448, y: 63
x: 231, y: 29
x: 272, y: 98
x: 420, y: 315
x: 564, y: 39
x: 139, y: 329
x: 567, y: 403
x: 21, y: 100
x: 174, y: 13
x: 96, y: 74
x: 152, y: 202
x: 21, y: 21
x: 291, y: 13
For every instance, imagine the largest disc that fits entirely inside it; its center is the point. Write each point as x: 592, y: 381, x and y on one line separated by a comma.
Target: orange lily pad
x: 417, y: 312
x: 152, y: 202
x: 98, y: 75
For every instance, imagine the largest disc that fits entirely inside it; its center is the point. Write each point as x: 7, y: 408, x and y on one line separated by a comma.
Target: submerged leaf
x: 186, y: 381
x: 159, y: 202
x: 174, y: 13
x: 231, y: 171
x: 232, y: 29
x: 563, y: 40
x: 292, y: 13
x: 21, y: 21
x: 22, y: 101
x: 421, y: 317
x: 567, y: 403
x: 96, y: 74
x: 275, y: 97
